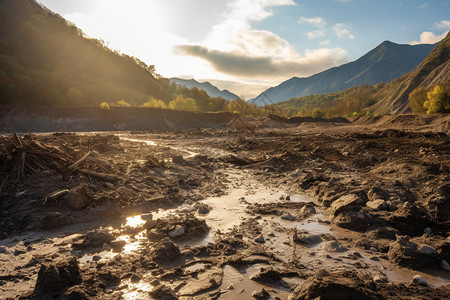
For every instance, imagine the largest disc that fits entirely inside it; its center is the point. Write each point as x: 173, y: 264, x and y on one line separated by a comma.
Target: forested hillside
x: 46, y: 60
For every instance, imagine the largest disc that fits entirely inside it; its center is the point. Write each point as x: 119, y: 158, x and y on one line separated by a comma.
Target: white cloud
x: 316, y: 21
x: 444, y: 24
x: 428, y: 37
x: 325, y: 43
x: 315, y: 34
x: 424, y: 5
x: 342, y: 31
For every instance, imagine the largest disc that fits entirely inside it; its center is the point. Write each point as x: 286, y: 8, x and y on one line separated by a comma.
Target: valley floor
x: 336, y: 210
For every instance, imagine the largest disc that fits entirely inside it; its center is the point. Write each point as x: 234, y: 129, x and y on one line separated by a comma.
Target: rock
x: 56, y: 276
x: 377, y: 193
x: 52, y: 220
x: 262, y: 294
x: 177, y: 231
x: 271, y: 234
x: 77, y: 198
x: 347, y: 202
x: 147, y: 217
x: 308, y: 209
x: 217, y: 191
x: 353, y: 220
x: 337, y: 286
x: 288, y: 197
x: 379, y: 279
x: 165, y: 251
x: 178, y: 159
x: 427, y: 230
x: 163, y: 292
x: 76, y: 293
x: 378, y: 204
x: 203, y: 209
x: 333, y: 246
x: 94, y: 239
x: 288, y: 216
x: 419, y: 280
x: 230, y: 287
x: 424, y: 249
x: 260, y: 239
x: 445, y: 265
x: 117, y: 244
x: 3, y: 250
x: 96, y: 257
x: 308, y: 240
x: 267, y: 275
x: 406, y: 254
x: 135, y: 278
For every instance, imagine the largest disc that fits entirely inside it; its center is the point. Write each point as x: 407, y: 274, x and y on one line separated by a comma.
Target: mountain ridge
x: 384, y: 63
x: 210, y: 89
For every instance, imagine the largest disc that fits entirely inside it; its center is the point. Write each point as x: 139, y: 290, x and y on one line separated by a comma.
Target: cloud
x: 428, y: 37
x: 316, y: 21
x: 342, y: 31
x: 315, y: 34
x: 265, y: 66
x: 424, y: 5
x: 444, y: 24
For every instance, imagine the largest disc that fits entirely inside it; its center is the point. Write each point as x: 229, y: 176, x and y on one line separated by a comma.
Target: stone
x: 344, y: 203
x: 163, y: 292
x: 424, y: 249
x: 427, y: 230
x: 178, y: 159
x: 3, y: 250
x: 288, y: 216
x: 117, y: 244
x: 58, y: 275
x: 52, y: 220
x: 109, y: 185
x: 260, y: 239
x: 379, y: 279
x: 378, y: 204
x: 166, y: 250
x: 96, y: 257
x: 333, y: 246
x: 176, y: 232
x: 308, y: 209
x: 419, y: 280
x: 203, y: 209
x: 147, y: 217
x: 77, y: 198
x: 308, y: 240
x: 262, y: 294
x: 271, y: 234
x: 377, y: 193
x: 135, y: 278
x: 445, y: 265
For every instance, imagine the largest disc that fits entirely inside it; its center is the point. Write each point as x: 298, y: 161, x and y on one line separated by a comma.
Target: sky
x: 247, y: 46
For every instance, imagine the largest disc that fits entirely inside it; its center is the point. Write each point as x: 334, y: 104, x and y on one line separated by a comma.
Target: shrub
x: 104, y: 106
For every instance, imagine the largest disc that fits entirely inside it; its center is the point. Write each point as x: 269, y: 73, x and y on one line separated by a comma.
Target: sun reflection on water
x: 135, y: 221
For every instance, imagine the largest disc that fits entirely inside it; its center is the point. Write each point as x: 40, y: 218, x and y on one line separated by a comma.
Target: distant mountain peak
x: 384, y: 63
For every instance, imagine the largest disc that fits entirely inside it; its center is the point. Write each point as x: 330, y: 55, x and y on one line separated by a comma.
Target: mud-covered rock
x: 52, y: 220
x: 345, y: 203
x: 410, y: 219
x: 409, y: 254
x: 339, y: 286
x: 163, y: 292
x: 183, y: 226
x: 94, y: 239
x: 166, y: 251
x: 353, y: 220
x: 55, y: 277
x: 77, y: 198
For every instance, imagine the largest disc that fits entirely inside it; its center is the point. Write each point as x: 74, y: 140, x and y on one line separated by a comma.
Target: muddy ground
x: 295, y: 211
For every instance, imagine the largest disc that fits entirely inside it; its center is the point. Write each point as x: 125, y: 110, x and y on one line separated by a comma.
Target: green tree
x: 182, y: 103
x: 417, y: 99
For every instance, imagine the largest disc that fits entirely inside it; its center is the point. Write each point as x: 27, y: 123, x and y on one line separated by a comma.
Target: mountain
x: 210, y: 89
x: 382, y: 64
x: 434, y: 70
x: 45, y: 60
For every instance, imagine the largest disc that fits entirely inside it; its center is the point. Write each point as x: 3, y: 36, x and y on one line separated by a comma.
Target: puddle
x: 148, y: 143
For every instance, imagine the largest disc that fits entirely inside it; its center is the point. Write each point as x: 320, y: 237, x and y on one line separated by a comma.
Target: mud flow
x: 304, y: 212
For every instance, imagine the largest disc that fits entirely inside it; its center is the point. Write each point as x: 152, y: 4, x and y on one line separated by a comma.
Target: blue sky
x: 247, y: 46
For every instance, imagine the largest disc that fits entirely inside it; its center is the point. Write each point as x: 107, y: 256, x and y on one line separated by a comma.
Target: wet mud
x: 341, y: 212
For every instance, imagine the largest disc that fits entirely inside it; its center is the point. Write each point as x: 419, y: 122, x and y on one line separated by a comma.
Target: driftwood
x: 24, y: 155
